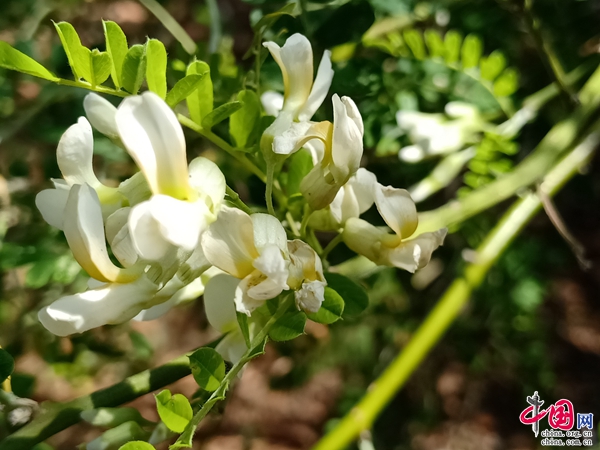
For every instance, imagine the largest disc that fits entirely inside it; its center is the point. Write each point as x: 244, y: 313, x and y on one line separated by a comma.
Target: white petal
x: 145, y: 233
x: 460, y: 109
x: 207, y: 179
x: 52, y: 204
x: 310, y: 296
x: 318, y: 188
x: 218, y: 302
x: 290, y: 140
x: 272, y: 102
x: 229, y: 242
x: 101, y: 114
x: 363, y: 184
x: 117, y: 234
x: 268, y: 231
x: 354, y: 114
x: 398, y: 209
x: 363, y: 238
x: 411, y: 153
x: 347, y: 145
x: 187, y: 293
x: 335, y: 207
x: 415, y: 253
x: 319, y: 89
x: 295, y: 60
x: 84, y: 231
x: 243, y: 302
x: 111, y: 304
x: 154, y: 138
x: 272, y: 264
x: 232, y: 347
x: 181, y: 222
x: 75, y: 152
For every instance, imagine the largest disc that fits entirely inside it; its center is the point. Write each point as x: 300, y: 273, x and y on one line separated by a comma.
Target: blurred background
x: 533, y: 325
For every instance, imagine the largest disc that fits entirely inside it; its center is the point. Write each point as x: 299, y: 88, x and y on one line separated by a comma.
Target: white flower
x: 400, y: 214
x: 302, y: 97
x: 253, y: 249
x: 353, y: 199
x: 436, y: 134
x: 74, y: 156
x: 342, y: 149
x: 306, y: 276
x: 102, y: 115
x: 184, y: 202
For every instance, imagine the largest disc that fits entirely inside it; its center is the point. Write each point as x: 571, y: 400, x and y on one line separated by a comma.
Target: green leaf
x: 492, y: 65
x: 331, y: 310
x: 13, y: 59
x: 118, y: 436
x: 40, y: 273
x: 156, y: 67
x: 175, y: 411
x: 288, y: 326
x: 258, y: 350
x: 116, y: 47
x: 7, y: 365
x: 355, y: 297
x: 77, y: 54
x: 183, y: 89
x: 208, y: 368
x: 300, y: 163
x: 100, y: 67
x: 137, y: 445
x: 201, y: 103
x: 507, y: 83
x: 220, y: 114
x: 265, y: 22
x: 414, y: 40
x: 112, y: 417
x: 243, y: 124
x: 435, y: 44
x: 242, y: 320
x: 471, y: 51
x: 452, y: 44
x: 134, y: 69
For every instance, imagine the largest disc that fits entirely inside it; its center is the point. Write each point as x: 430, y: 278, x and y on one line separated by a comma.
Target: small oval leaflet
x: 175, y: 411
x: 208, y: 368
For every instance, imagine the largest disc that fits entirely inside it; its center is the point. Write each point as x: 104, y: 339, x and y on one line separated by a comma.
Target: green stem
x: 186, y: 437
x: 305, y: 219
x: 57, y: 417
x: 269, y: 190
x: 362, y: 416
x: 292, y: 224
x: 171, y: 24
x: 332, y: 244
x: 234, y: 198
x: 89, y: 87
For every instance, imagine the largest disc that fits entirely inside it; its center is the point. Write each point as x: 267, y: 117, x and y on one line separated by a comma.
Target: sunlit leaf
x: 137, y: 445
x: 331, y: 310
x: 452, y: 45
x: 288, y: 326
x: 471, y: 51
x: 100, y: 67
x: 183, y: 89
x: 492, y: 65
x: 208, y: 368
x: 201, y: 103
x: 116, y: 47
x: 507, y: 83
x: 118, y: 436
x: 414, y: 40
x: 156, y: 67
x: 134, y: 69
x: 220, y: 114
x: 13, y: 59
x: 112, y: 417
x: 175, y: 411
x: 435, y: 44
x: 77, y: 54
x: 243, y: 124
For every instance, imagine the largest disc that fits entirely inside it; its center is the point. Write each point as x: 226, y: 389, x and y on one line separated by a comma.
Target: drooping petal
x: 310, y: 296
x: 305, y: 264
x: 295, y: 60
x: 415, y: 253
x: 101, y: 113
x: 117, y: 234
x: 363, y: 184
x: 363, y: 238
x: 319, y: 89
x: 75, y: 152
x: 154, y: 138
x: 268, y: 231
x: 272, y: 264
x: 145, y: 232
x: 110, y: 304
x: 52, y: 204
x: 347, y: 145
x: 229, y: 242
x: 291, y: 140
x: 207, y: 179
x: 272, y: 102
x: 218, y: 302
x: 319, y: 188
x: 84, y: 230
x: 397, y: 208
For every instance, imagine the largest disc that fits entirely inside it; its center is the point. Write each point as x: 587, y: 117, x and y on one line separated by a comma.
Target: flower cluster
x: 171, y: 233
